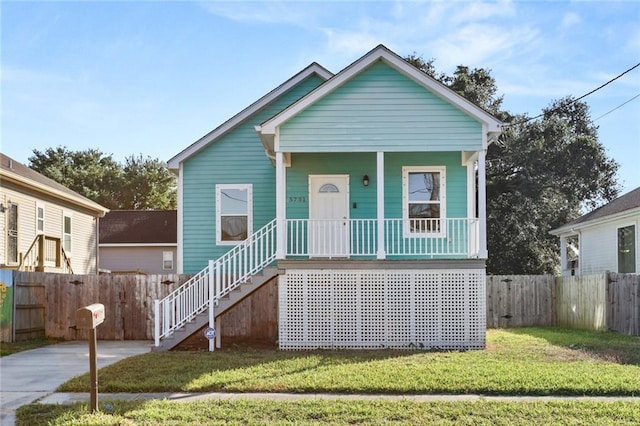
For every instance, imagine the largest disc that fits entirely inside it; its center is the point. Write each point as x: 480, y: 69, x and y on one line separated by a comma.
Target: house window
x: 12, y: 233
x: 39, y: 218
x: 234, y: 213
x: 66, y: 233
x: 167, y: 260
x: 423, y: 197
x: 627, y: 250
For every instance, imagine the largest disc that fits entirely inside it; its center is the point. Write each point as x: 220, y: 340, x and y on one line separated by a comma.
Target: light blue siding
x: 380, y: 110
x: 237, y: 157
x: 363, y: 200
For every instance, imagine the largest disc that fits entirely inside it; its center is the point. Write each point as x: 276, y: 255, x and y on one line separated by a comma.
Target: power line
x: 619, y: 106
x: 577, y: 99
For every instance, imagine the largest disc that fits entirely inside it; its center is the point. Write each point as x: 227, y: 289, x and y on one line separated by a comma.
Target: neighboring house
x: 604, y: 240
x: 360, y: 188
x: 138, y: 241
x: 45, y: 226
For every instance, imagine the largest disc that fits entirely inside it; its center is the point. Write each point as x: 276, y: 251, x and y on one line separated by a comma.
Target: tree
x: 143, y: 184
x: 540, y: 174
x: 148, y: 184
x: 90, y: 173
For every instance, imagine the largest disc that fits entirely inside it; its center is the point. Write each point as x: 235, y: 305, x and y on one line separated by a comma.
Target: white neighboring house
x: 46, y: 226
x: 605, y: 239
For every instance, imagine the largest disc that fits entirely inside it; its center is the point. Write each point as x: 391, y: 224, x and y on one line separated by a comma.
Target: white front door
x: 328, y: 216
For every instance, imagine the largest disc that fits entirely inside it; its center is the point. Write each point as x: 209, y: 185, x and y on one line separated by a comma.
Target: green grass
x: 247, y: 412
x: 527, y: 361
x: 12, y: 348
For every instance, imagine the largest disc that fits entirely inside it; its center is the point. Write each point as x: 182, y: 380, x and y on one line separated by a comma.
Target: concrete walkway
x: 31, y: 375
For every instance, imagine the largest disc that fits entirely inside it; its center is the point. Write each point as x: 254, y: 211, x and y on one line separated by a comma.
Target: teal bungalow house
x: 362, y: 193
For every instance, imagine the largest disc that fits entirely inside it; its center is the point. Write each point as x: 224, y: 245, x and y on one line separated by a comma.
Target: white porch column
x: 482, y: 204
x: 380, y: 203
x: 281, y: 196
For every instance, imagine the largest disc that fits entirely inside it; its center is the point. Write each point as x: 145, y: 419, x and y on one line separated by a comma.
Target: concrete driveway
x: 30, y: 375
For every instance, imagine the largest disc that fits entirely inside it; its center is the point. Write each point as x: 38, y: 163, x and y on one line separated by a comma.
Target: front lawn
x: 526, y: 361
x: 12, y: 348
x: 315, y: 412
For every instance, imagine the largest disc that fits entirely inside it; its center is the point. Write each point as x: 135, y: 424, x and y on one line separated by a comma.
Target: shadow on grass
x: 248, y: 370
x: 606, y: 345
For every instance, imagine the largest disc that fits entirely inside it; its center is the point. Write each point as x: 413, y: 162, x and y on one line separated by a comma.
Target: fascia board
x: 48, y: 190
x: 138, y: 245
x: 228, y: 125
x: 493, y: 125
x: 572, y: 229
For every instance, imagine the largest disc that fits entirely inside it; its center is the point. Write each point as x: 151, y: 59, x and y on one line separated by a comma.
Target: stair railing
x: 225, y: 274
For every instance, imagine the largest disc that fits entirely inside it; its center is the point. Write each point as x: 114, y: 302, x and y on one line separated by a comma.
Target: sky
x: 152, y: 77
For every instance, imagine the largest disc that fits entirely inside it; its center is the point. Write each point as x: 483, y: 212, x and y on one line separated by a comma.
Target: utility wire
x: 619, y: 106
x: 577, y: 99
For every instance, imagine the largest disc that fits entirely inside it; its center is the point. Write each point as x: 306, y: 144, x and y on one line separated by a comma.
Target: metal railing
x: 215, y: 281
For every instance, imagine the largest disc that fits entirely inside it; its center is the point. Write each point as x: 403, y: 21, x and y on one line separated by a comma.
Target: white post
x: 211, y: 300
x: 380, y: 203
x: 482, y: 204
x: 156, y: 314
x: 280, y: 206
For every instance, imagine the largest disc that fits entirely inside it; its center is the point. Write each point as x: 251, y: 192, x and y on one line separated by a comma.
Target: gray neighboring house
x: 605, y: 239
x: 138, y: 241
x: 45, y: 226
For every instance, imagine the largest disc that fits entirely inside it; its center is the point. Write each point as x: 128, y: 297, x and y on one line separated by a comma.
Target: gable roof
x: 626, y: 204
x: 19, y: 174
x: 227, y: 126
x: 380, y: 53
x: 139, y: 227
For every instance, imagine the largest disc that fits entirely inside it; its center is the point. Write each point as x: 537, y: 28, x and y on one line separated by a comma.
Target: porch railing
x: 431, y: 238
x: 45, y: 252
x: 218, y: 279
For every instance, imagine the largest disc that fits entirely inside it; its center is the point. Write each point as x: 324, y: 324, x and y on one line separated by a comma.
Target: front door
x: 329, y: 216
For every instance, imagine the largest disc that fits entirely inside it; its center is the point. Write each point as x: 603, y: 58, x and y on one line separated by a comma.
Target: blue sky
x: 151, y: 77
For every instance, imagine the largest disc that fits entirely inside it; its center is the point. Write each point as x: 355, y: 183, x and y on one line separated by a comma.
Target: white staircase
x: 221, y: 285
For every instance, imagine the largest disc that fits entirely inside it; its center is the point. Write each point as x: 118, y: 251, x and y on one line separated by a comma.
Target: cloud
x: 268, y: 12
x: 569, y: 20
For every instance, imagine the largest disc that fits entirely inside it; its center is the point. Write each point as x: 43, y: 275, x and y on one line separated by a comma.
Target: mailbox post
x: 89, y: 318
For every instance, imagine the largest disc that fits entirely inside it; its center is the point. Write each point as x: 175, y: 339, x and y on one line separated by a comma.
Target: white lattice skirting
x: 402, y: 309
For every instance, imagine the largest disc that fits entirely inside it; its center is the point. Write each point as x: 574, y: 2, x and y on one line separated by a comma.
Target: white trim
x: 240, y: 186
x: 482, y: 204
x: 380, y: 203
x: 77, y: 200
x: 490, y: 123
x: 227, y: 126
x: 281, y: 207
x: 572, y: 229
x: 405, y: 199
x: 138, y: 245
x: 180, y: 223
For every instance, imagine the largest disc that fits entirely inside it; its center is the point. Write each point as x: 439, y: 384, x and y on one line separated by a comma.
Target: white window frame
x: 635, y: 241
x: 167, y: 256
x: 39, y: 219
x: 219, y: 189
x: 65, y: 215
x: 406, y: 229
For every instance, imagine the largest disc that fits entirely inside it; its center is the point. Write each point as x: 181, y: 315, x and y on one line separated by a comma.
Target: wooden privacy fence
x: 46, y: 305
x: 607, y: 301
